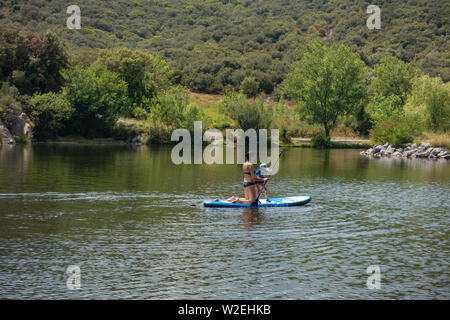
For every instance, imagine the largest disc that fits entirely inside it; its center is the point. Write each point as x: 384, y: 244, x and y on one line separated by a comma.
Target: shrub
x: 140, y: 113
x: 381, y: 108
x: 97, y: 96
x: 175, y: 109
x: 49, y: 113
x: 250, y: 87
x: 321, y: 141
x: 396, y: 131
x: 429, y: 104
x: 10, y: 105
x: 146, y: 75
x: 248, y: 113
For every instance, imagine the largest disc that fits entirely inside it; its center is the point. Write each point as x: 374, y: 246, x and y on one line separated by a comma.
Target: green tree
x: 145, y: 74
x: 32, y: 62
x: 97, y: 96
x: 50, y: 112
x: 381, y: 108
x: 250, y: 87
x: 429, y: 103
x: 393, y: 77
x: 326, y: 82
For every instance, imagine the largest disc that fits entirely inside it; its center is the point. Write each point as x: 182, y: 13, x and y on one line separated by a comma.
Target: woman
x: 250, y: 179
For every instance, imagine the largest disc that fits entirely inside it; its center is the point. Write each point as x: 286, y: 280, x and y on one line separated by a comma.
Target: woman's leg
x: 249, y: 194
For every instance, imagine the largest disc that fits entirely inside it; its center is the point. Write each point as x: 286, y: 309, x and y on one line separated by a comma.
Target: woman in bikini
x: 250, y: 179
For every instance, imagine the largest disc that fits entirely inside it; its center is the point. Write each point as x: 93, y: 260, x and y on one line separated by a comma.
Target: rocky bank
x: 19, y: 126
x: 424, y: 150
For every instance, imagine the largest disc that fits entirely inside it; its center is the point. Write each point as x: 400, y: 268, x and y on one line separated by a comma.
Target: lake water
x: 133, y: 223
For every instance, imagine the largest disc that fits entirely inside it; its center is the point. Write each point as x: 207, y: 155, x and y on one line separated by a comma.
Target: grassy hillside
x: 213, y: 44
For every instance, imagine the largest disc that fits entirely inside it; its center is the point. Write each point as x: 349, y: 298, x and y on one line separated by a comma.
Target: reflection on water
x: 134, y: 224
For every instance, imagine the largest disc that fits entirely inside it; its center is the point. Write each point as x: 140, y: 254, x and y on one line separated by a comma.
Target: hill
x: 213, y: 44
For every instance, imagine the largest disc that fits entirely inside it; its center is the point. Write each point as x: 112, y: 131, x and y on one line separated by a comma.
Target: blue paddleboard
x: 274, y: 202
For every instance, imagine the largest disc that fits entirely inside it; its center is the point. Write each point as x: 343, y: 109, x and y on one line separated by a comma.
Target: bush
x: 140, y: 113
x: 10, y: 105
x: 381, y: 108
x: 250, y: 87
x: 396, y: 131
x: 159, y: 134
x: 126, y: 130
x: 320, y: 141
x: 429, y: 104
x: 248, y: 113
x: 97, y: 96
x: 146, y: 75
x: 174, y: 109
x: 49, y: 113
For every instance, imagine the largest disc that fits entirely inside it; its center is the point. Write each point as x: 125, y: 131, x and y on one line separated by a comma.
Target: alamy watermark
x: 374, y: 20
x: 74, y: 279
x: 374, y: 280
x: 74, y: 21
x: 234, y: 140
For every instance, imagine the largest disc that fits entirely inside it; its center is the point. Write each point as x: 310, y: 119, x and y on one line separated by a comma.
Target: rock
x: 410, y: 153
x: 5, y: 136
x: 425, y: 145
x: 425, y: 150
x: 377, y: 148
x: 390, y: 150
x: 136, y: 140
x: 436, y: 151
x: 21, y: 125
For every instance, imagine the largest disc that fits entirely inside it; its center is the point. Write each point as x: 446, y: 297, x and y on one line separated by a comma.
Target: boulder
x: 377, y: 148
x: 436, y: 151
x: 136, y: 139
x: 5, y: 136
x: 21, y: 125
x: 410, y: 152
x: 425, y: 145
x: 390, y: 150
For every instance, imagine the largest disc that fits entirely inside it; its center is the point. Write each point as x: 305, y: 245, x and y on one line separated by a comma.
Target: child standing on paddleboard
x: 261, y: 172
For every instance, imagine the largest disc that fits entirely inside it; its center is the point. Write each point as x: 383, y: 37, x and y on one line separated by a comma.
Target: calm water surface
x: 133, y: 222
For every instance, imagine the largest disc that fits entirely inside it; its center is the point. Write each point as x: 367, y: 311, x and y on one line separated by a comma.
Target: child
x: 261, y: 172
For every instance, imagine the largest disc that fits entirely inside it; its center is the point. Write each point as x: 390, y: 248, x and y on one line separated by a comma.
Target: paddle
x: 255, y: 203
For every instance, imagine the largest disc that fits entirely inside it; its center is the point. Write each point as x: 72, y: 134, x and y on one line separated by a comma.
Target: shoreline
x: 297, y: 143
